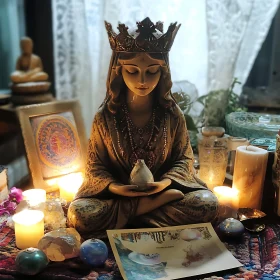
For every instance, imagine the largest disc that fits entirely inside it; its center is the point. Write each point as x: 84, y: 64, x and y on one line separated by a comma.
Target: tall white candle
x: 29, y: 228
x: 249, y: 173
x: 228, y: 202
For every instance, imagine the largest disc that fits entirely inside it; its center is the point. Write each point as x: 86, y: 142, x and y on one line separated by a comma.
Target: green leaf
x: 190, y: 123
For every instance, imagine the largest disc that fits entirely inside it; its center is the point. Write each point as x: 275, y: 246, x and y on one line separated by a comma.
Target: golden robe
x: 95, y: 209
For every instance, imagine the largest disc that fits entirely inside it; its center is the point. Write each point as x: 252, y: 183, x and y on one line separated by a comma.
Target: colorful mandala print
x: 57, y: 142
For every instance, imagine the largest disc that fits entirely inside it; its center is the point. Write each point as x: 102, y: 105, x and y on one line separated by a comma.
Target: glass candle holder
x: 213, y: 165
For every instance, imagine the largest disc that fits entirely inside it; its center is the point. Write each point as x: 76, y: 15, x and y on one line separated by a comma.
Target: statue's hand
x: 126, y: 190
x: 157, y: 187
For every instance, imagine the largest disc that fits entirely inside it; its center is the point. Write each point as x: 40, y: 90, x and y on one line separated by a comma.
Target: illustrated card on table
x: 170, y: 253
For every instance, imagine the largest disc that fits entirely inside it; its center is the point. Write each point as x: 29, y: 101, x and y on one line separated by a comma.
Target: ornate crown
x: 148, y: 37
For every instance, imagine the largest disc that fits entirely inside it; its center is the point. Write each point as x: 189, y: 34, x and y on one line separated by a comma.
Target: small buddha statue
x: 29, y: 67
x: 140, y: 120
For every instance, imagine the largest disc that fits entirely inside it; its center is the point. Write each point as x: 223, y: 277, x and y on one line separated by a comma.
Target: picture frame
x: 55, y: 141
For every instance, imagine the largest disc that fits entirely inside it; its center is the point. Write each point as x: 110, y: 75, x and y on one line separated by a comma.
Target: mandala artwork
x: 57, y: 143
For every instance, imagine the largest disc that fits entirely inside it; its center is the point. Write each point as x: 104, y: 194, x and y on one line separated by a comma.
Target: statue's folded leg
x: 42, y: 76
x: 196, y: 207
x: 92, y: 217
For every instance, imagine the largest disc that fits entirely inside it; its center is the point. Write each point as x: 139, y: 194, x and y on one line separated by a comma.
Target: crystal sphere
x: 94, y: 252
x: 31, y: 261
x: 231, y: 227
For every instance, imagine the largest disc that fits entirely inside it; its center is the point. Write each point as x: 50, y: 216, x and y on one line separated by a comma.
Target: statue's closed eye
x: 153, y: 69
x: 131, y: 69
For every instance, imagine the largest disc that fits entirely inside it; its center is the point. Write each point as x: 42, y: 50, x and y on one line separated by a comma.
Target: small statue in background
x: 30, y: 83
x: 29, y: 67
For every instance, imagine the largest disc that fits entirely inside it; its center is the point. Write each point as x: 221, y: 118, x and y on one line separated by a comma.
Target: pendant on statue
x: 139, y: 153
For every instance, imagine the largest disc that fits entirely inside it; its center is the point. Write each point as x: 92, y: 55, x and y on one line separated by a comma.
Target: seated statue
x: 29, y: 67
x: 139, y: 119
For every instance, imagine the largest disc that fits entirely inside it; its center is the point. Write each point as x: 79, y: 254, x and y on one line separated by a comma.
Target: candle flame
x: 71, y: 182
x: 226, y: 191
x: 34, y: 196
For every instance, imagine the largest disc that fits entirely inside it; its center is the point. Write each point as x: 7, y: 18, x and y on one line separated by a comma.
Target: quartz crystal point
x: 54, y: 215
x: 61, y: 244
x: 141, y: 175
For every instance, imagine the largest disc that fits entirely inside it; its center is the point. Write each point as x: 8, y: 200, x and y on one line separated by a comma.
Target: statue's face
x: 26, y: 46
x: 141, y: 73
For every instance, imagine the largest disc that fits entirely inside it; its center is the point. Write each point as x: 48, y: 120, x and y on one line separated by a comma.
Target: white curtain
x: 218, y: 40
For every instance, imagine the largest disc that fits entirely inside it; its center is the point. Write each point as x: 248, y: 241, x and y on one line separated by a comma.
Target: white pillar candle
x: 34, y: 196
x: 29, y: 228
x: 69, y: 185
x: 228, y: 202
x: 249, y: 173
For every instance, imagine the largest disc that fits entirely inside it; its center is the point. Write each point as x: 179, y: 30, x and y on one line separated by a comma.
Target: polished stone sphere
x: 94, y: 252
x: 31, y: 261
x: 231, y: 227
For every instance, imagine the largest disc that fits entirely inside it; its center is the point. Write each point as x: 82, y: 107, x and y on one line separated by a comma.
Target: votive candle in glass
x: 228, y: 202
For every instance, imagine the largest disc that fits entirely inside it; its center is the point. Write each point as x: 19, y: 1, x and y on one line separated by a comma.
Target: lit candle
x: 29, y: 228
x: 69, y: 185
x: 249, y: 173
x: 213, y: 165
x: 228, y: 202
x: 34, y: 196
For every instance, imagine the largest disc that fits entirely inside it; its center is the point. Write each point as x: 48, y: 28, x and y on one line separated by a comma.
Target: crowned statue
x: 140, y: 122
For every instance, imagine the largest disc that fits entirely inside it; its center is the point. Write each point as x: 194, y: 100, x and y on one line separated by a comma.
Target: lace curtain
x: 218, y: 40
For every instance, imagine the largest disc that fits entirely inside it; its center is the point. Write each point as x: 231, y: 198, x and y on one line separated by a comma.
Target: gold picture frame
x: 55, y: 141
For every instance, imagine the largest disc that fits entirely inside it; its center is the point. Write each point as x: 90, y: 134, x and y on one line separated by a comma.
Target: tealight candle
x: 249, y: 173
x: 228, y: 201
x: 29, y: 228
x: 69, y: 185
x: 34, y: 196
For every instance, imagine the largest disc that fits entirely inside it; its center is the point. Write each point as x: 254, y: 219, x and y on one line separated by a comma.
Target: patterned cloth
x: 260, y: 255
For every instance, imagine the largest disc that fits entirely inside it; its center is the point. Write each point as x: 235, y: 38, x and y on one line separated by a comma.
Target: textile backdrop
x: 218, y: 40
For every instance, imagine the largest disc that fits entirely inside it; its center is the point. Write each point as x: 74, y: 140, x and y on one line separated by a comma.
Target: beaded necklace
x: 142, y: 151
x: 141, y: 131
x: 139, y: 150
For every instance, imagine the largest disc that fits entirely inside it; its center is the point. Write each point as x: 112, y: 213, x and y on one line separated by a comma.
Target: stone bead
x: 231, y: 227
x: 94, y: 252
x: 31, y: 261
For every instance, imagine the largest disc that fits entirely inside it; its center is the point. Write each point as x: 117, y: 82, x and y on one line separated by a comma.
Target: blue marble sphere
x: 231, y: 227
x: 31, y: 261
x: 94, y: 252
